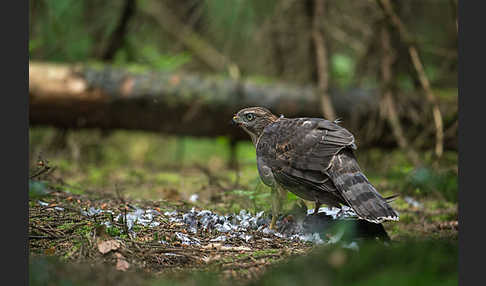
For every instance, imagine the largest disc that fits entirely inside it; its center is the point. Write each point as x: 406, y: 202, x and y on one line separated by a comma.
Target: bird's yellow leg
x: 278, y: 194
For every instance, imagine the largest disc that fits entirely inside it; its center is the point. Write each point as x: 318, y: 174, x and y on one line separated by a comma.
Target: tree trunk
x: 77, y: 96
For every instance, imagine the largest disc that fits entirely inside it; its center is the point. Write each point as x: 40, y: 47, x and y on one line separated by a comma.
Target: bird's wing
x: 317, y: 153
x: 303, y: 148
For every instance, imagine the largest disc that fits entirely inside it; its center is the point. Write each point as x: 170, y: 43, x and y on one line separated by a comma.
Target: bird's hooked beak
x: 236, y: 120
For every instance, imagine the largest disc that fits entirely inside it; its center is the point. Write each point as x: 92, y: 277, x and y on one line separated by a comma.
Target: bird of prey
x: 312, y: 158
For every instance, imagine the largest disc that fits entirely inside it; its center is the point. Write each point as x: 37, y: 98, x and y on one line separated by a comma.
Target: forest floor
x: 153, y: 217
x: 165, y: 244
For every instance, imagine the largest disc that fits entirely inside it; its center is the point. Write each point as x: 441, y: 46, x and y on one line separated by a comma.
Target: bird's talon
x: 273, y: 225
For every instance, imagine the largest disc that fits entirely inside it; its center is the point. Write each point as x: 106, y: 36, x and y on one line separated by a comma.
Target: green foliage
x: 258, y: 197
x: 230, y: 20
x: 149, y: 57
x: 426, y: 181
x: 61, y: 36
x: 431, y: 262
x: 80, y: 31
x: 84, y: 230
x: 405, y: 82
x: 113, y: 231
x: 397, y: 174
x: 38, y: 189
x: 342, y: 69
x: 195, y: 278
x: 410, y: 263
x: 142, y: 164
x: 51, y: 270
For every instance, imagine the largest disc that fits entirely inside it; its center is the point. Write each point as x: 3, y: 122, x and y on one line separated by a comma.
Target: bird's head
x: 253, y: 120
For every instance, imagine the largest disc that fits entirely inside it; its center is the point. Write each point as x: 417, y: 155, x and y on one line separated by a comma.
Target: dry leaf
x: 50, y: 251
x: 211, y: 258
x: 175, y: 79
x: 108, y: 245
x: 121, y: 263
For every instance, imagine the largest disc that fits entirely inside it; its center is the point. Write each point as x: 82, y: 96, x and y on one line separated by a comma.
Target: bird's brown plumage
x: 312, y: 158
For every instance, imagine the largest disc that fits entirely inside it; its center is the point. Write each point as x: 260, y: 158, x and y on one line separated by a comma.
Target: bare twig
x: 342, y: 36
x: 417, y: 63
x: 50, y: 233
x: 319, y: 42
x: 125, y: 225
x: 190, y: 39
x: 43, y: 167
x: 41, y: 237
x: 42, y: 170
x: 388, y: 103
x: 439, y: 147
x: 119, y: 194
x: 118, y: 35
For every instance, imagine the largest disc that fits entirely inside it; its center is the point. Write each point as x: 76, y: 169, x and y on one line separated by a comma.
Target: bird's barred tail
x: 357, y: 191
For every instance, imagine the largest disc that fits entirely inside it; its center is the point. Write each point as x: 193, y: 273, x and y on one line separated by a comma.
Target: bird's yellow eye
x: 250, y: 116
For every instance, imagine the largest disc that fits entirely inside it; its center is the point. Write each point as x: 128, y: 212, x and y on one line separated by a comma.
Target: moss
x: 167, y: 178
x: 143, y: 165
x: 114, y: 231
x: 242, y: 255
x: 137, y: 228
x: 84, y: 230
x: 64, y: 226
x: 76, y: 246
x: 265, y: 252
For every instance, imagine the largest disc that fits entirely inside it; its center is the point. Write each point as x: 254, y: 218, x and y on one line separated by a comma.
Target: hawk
x: 312, y: 158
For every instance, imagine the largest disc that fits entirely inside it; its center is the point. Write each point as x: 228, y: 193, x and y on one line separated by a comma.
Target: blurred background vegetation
x: 268, y: 40
x: 330, y: 45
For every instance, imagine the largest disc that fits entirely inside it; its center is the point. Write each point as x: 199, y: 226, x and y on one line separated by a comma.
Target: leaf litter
x: 159, y: 239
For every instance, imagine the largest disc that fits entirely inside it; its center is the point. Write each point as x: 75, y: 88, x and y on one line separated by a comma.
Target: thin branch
x: 190, y: 39
x: 118, y: 36
x: 417, y: 63
x: 343, y: 37
x: 439, y: 147
x: 387, y: 100
x: 319, y: 42
x: 454, y: 13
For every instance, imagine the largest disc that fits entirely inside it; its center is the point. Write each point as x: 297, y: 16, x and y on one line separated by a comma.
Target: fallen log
x: 106, y: 97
